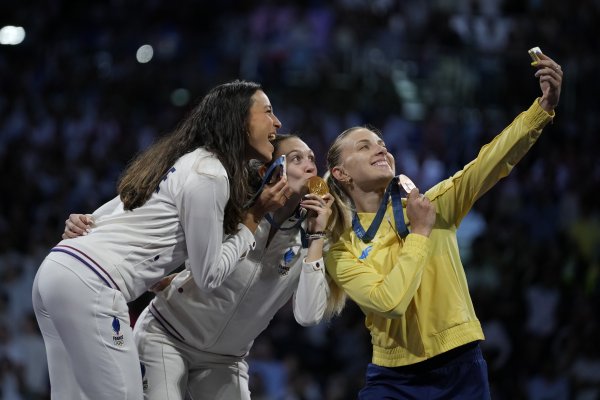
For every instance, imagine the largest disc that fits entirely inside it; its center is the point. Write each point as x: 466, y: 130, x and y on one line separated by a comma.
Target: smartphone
x: 282, y: 171
x: 279, y: 170
x: 534, y: 53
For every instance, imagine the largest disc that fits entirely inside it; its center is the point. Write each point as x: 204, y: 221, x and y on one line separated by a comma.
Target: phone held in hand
x: 282, y: 172
x: 534, y: 53
x: 277, y: 170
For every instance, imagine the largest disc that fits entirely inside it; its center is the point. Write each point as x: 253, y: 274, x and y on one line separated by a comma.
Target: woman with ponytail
x: 398, y: 258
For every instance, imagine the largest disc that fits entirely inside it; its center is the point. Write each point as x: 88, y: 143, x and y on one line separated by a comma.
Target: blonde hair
x: 341, y: 217
x: 336, y: 301
x: 340, y: 220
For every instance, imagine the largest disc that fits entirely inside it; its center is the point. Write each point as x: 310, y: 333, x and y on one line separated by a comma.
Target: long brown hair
x: 219, y: 123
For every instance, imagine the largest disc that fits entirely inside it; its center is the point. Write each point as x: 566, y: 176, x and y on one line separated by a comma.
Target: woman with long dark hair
x: 196, y: 343
x: 181, y: 199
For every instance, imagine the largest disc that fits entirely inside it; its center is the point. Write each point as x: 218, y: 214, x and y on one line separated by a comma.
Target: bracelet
x: 316, y: 235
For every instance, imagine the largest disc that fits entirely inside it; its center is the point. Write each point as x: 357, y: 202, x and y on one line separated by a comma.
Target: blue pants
x: 459, y: 374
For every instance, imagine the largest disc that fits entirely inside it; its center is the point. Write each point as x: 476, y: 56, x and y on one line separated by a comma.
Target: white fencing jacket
x: 228, y: 319
x: 183, y: 219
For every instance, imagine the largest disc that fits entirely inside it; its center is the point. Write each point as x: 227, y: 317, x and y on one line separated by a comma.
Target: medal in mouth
x: 317, y: 185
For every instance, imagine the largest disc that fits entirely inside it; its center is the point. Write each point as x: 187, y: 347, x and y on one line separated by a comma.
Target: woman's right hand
x: 77, y: 225
x: 162, y: 284
x: 271, y: 198
x: 420, y: 212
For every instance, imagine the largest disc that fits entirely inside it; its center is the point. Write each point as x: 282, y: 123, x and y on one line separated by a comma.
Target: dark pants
x: 458, y: 374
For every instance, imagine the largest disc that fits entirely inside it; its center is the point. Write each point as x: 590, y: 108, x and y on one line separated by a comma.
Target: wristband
x: 316, y: 235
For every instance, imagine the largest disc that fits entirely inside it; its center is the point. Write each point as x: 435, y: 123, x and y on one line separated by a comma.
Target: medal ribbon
x: 301, y: 217
x: 394, y: 190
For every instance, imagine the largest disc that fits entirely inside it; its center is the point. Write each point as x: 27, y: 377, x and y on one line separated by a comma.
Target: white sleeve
x: 310, y: 298
x: 202, y: 209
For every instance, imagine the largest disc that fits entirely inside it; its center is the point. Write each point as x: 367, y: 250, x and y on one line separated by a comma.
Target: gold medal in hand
x: 316, y: 185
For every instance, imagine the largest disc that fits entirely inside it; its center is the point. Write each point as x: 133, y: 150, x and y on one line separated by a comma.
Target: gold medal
x: 316, y: 185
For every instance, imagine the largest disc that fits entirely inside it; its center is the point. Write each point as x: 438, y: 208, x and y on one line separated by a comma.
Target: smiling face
x: 300, y: 163
x: 262, y: 126
x: 364, y: 161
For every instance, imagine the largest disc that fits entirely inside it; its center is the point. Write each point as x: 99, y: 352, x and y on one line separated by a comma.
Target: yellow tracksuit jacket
x: 414, y: 291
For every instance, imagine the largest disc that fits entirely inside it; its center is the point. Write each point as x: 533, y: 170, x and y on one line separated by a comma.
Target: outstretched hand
x: 550, y: 75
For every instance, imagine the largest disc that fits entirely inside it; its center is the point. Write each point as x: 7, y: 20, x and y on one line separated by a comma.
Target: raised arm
x: 311, y: 296
x: 455, y: 196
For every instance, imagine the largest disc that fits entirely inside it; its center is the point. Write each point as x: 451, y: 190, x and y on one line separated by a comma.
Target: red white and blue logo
x: 117, y: 335
x: 286, y: 263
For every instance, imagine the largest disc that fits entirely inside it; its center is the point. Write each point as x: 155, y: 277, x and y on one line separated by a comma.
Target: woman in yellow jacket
x: 398, y: 258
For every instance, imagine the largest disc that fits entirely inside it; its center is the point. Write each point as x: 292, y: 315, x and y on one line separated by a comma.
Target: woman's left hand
x: 550, y: 74
x: 319, y: 211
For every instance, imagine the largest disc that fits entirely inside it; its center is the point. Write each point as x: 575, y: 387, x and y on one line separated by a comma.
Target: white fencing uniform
x: 82, y: 288
x: 195, y: 342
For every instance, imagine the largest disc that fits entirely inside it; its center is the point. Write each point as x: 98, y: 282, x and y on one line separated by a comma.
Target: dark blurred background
x: 92, y: 83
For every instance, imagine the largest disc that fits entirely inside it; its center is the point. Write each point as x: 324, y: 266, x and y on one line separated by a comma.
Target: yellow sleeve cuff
x: 418, y: 244
x: 536, y: 117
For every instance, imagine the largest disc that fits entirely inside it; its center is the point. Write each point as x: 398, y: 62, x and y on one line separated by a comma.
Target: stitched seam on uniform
x: 165, y: 377
x: 55, y: 249
x: 92, y: 260
x: 162, y: 321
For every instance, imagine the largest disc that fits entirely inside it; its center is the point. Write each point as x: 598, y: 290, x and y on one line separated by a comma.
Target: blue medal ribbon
x: 301, y: 217
x: 392, y: 190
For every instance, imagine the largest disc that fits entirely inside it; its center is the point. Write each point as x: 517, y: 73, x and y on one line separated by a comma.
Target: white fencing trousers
x: 85, y: 325
x: 176, y: 371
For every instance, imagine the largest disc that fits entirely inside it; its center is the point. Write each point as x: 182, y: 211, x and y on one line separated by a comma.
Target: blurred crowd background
x: 92, y: 83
